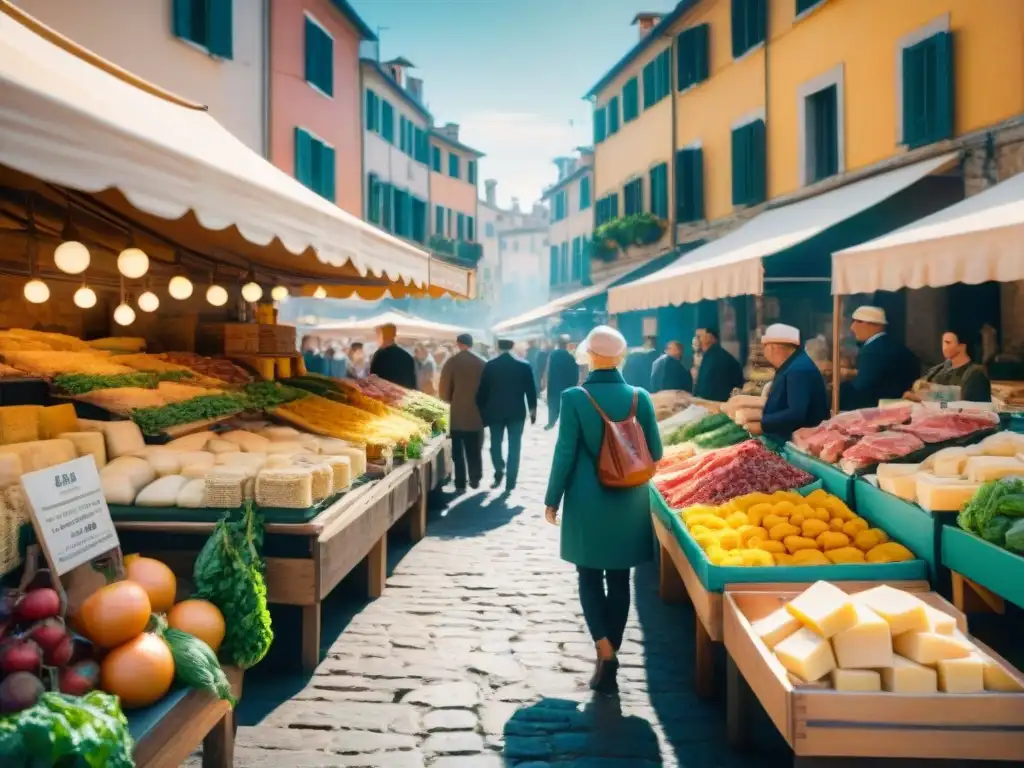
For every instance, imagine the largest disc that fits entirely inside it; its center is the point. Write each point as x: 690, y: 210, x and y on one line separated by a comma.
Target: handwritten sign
x: 69, y: 513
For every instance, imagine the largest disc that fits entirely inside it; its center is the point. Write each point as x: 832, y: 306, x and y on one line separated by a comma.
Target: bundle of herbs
x: 84, y: 383
x: 153, y: 421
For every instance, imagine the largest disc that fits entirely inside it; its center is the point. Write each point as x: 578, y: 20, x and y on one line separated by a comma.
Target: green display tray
x: 142, y: 721
x: 716, y: 577
x: 833, y: 479
x: 990, y: 566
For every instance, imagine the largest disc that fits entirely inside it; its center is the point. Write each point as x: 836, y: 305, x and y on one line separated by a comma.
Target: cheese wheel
x: 123, y: 438
x: 162, y: 492
x: 138, y: 472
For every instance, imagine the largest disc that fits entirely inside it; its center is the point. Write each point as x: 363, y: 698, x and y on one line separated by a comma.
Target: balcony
x: 456, y: 252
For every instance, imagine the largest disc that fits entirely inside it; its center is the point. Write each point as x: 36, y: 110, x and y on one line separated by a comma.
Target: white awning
x: 410, y: 327
x: 731, y: 265
x: 75, y: 120
x: 552, y: 308
x: 977, y: 240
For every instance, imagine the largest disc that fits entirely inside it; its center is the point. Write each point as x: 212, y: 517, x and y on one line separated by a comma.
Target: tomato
x: 114, y: 614
x: 200, y: 618
x: 139, y: 672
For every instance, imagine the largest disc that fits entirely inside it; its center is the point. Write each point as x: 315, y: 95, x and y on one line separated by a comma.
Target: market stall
x: 410, y: 328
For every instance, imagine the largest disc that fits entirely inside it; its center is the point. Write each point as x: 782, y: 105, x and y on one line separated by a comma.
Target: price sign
x: 69, y: 513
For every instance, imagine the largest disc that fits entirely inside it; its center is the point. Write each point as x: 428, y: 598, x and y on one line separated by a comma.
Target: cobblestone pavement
x: 476, y: 656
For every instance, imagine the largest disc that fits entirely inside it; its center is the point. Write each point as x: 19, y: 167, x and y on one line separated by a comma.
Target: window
x: 607, y: 208
x: 577, y: 259
x: 404, y: 129
x: 454, y: 169
x: 689, y: 185
x: 657, y: 78
x: 387, y: 121
x: 319, y: 58
x: 435, y: 158
x: 692, y: 57
x: 822, y: 134
x: 372, y: 111
x: 584, y: 193
x: 373, y: 201
x: 928, y: 92
x: 489, y: 229
x: 449, y: 231
x: 387, y: 219
x: 314, y: 164
x: 600, y: 125
x: 403, y: 213
x: 559, y: 206
x: 439, y: 220
x: 630, y: 100
x: 633, y: 197
x: 421, y: 145
x: 802, y: 6
x: 206, y: 23
x: 659, y: 191
x: 748, y: 164
x: 563, y: 272
x: 471, y: 229
x: 553, y: 266
x: 460, y: 226
x: 613, y: 115
x: 471, y: 172
x: 749, y: 25
x: 419, y: 220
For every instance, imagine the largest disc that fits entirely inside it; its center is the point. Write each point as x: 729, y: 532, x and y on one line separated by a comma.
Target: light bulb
x: 320, y: 292
x: 124, y: 315
x: 216, y: 295
x: 85, y: 298
x: 180, y: 288
x: 71, y: 257
x: 133, y: 263
x: 148, y: 301
x: 37, y: 291
x: 279, y: 293
x: 252, y: 292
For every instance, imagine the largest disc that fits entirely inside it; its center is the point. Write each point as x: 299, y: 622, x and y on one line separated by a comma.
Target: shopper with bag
x: 607, y: 448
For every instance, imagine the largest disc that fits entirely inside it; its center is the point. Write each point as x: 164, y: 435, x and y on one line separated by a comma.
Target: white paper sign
x: 70, y: 513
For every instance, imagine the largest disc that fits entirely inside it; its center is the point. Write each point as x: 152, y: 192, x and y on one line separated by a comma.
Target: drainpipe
x: 364, y: 190
x: 767, y: 123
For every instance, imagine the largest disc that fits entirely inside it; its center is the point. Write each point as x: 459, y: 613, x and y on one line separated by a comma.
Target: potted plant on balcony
x: 602, y: 249
x: 646, y: 228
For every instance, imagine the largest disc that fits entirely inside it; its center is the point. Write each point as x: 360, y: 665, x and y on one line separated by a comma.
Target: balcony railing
x: 457, y: 252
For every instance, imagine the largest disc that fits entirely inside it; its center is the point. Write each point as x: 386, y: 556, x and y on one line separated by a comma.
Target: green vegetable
x: 196, y: 665
x: 723, y: 436
x: 229, y: 573
x: 262, y: 395
x: 994, y: 530
x: 1015, y: 536
x: 986, y: 504
x: 69, y: 731
x: 709, y: 423
x: 153, y: 421
x: 83, y: 383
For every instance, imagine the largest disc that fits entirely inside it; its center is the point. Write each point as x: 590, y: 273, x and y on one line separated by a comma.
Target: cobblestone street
x: 476, y: 656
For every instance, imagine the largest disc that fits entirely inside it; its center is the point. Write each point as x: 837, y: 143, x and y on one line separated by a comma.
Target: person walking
x: 640, y: 364
x: 460, y: 380
x: 311, y: 357
x: 540, y: 365
x: 506, y: 393
x: 390, y: 362
x: 563, y: 372
x: 669, y: 372
x: 426, y: 370
x: 605, y: 531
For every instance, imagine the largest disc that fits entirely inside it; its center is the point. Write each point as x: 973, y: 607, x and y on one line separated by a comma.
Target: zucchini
x: 709, y: 423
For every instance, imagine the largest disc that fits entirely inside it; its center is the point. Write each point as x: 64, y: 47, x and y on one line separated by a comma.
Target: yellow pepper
x: 855, y: 526
x: 832, y: 540
x: 775, y: 547
x: 782, y: 530
x: 836, y: 524
x: 890, y: 552
x: 770, y: 521
x: 820, y: 513
x: 783, y: 558
x: 795, y: 543
x: 729, y: 539
x: 813, y: 528
x: 809, y: 557
x: 796, y: 519
x: 869, y: 539
x: 736, y: 519
x: 756, y: 513
x: 752, y: 532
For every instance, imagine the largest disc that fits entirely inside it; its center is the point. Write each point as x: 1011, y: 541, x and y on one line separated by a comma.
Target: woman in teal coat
x: 605, y: 531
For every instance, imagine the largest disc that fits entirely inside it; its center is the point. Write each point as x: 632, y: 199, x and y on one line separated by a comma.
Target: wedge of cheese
x: 123, y: 438
x: 949, y: 462
x: 41, y: 454
x: 965, y: 675
x: 944, y: 494
x: 194, y: 442
x: 901, y: 610
x: 939, y: 622
x: 806, y: 655
x: 1002, y: 444
x: 776, y: 627
x: 904, y: 676
x: 856, y: 680
x: 997, y: 678
x: 981, y: 469
x: 89, y: 444
x: 899, y: 480
x: 823, y: 608
x: 930, y: 648
x: 865, y: 645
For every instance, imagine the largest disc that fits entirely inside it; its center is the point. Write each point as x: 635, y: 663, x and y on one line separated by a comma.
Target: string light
x: 217, y: 295
x: 180, y: 287
x: 279, y: 293
x: 85, y: 297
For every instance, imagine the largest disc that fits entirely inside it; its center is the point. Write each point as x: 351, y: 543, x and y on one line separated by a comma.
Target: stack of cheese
x: 746, y: 411
x: 947, y: 480
x: 882, y: 639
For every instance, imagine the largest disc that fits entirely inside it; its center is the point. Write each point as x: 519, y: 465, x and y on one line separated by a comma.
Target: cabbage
x: 1015, y: 536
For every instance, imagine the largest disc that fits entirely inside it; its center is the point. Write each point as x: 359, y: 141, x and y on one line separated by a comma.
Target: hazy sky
x: 512, y: 73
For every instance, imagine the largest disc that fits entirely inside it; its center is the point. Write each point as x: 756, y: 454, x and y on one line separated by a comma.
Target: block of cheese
x: 856, y: 680
x: 123, y: 438
x: 944, y: 494
x: 965, y: 675
x: 1002, y: 444
x: 194, y: 458
x: 137, y: 471
x: 162, y: 492
x: 342, y: 468
x: 195, y: 471
x: 19, y: 423
x: 91, y: 425
x: 939, y: 622
x: 899, y: 480
x: 997, y: 678
x: 865, y: 645
x: 254, y: 461
x: 806, y: 655
x: 332, y: 446
x: 776, y: 627
x: 192, y: 494
x: 165, y: 462
x: 57, y: 419
x: 40, y: 454
x: 323, y: 476
x: 117, y: 489
x: 886, y: 471
x: 88, y: 444
x: 949, y: 462
x: 280, y: 434
x: 288, y: 487
x: 194, y: 442
x: 901, y: 610
x: 981, y: 469
x: 930, y: 647
x: 217, y: 445
x: 285, y: 446
x: 249, y: 442
x: 823, y: 608
x: 904, y: 676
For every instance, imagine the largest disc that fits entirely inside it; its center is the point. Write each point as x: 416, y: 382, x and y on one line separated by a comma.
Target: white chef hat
x: 873, y: 315
x: 780, y: 333
x: 604, y: 341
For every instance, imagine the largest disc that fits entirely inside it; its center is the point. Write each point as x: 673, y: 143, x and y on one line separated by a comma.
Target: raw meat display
x: 882, y: 446
x: 868, y: 420
x: 718, y: 476
x: 938, y: 427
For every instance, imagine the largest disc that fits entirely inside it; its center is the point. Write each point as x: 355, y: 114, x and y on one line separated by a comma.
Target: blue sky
x: 510, y: 72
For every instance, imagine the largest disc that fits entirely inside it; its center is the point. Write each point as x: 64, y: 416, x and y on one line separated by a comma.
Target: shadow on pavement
x: 474, y: 513
x: 556, y: 732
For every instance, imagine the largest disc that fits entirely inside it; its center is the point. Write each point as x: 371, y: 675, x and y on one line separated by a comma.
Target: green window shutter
x: 805, y: 5
x: 327, y: 171
x: 387, y: 121
x: 439, y: 220
x: 319, y: 57
x: 692, y: 63
x: 304, y: 157
x: 401, y: 134
x: 584, y: 193
x: 181, y: 19
x: 372, y: 198
x: 613, y: 115
x: 740, y: 141
x: 749, y: 25
x: 471, y: 229
x: 577, y: 259
x: 553, y: 266
x: 649, y: 85
x: 633, y: 197
x: 689, y: 182
x: 460, y: 226
x: 600, y: 125
x: 630, y: 100
x: 471, y: 172
x: 453, y: 165
x: 944, y: 114
x: 659, y: 191
x: 435, y: 153
x: 387, y: 207
x: 564, y: 271
x: 613, y: 205
x: 702, y: 55
x: 407, y: 208
x: 664, y: 73
x: 220, y: 30
x: 371, y: 109
x: 824, y: 118
x: 758, y: 162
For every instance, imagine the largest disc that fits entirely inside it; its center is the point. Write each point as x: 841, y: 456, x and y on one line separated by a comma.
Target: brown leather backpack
x: 624, y: 460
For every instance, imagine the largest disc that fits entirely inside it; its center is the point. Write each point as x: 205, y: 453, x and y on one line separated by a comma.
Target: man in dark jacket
x: 798, y: 397
x: 719, y: 373
x: 563, y: 372
x: 540, y: 365
x: 506, y: 393
x: 669, y: 372
x: 885, y: 368
x: 460, y: 382
x: 390, y: 361
x: 640, y: 364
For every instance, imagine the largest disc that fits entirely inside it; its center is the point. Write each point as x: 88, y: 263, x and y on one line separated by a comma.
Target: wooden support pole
x: 837, y: 319
x: 310, y: 637
x: 377, y: 564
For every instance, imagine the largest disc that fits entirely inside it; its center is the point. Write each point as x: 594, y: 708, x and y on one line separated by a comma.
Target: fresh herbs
x: 83, y: 383
x: 996, y: 508
x: 79, y: 732
x: 229, y: 573
x: 153, y: 421
x: 268, y: 394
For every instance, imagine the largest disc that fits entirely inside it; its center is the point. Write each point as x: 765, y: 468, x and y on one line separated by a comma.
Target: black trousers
x: 467, y: 452
x: 554, y: 406
x: 605, y: 610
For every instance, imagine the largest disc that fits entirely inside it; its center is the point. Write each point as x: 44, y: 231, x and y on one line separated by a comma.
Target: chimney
x: 515, y: 205
x: 564, y: 165
x: 450, y: 130
x: 491, y: 192
x: 396, y: 73
x: 645, y: 22
x: 396, y: 67
x: 414, y: 87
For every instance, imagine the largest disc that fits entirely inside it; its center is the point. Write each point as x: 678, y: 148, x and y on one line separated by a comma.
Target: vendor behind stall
x: 956, y: 370
x: 719, y: 373
x: 797, y: 397
x: 639, y: 364
x: 885, y: 368
x: 669, y: 371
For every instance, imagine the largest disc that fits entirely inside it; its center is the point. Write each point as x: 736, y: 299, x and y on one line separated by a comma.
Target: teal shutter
x: 630, y: 100
x: 327, y: 168
x: 740, y: 140
x: 584, y: 193
x: 553, y: 266
x: 304, y: 157
x: 387, y: 207
x: 944, y: 118
x: 435, y: 158
x: 439, y: 220
x: 613, y: 115
x: 181, y: 19
x: 702, y: 52
x: 577, y: 259
x: 407, y: 209
x: 220, y: 32
x: 564, y: 271
x: 659, y: 191
x: 372, y: 198
x: 692, y: 64
x: 460, y: 226
x: 649, y: 85
x: 387, y: 121
x: 471, y: 229
x: 805, y: 5
x: 825, y: 122
x: 613, y: 205
x: 471, y: 171
x: 453, y: 165
x: 689, y: 182
x: 600, y: 125
x: 759, y: 162
x: 311, y: 52
x: 664, y: 73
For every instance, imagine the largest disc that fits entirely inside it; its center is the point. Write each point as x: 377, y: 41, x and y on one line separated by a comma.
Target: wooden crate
x: 228, y: 339
x: 818, y: 722
x: 277, y: 339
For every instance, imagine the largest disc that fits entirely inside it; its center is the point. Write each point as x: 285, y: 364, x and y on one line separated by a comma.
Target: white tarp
x: 977, y: 240
x: 67, y: 121
x: 409, y: 327
x: 731, y: 265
